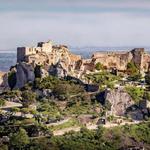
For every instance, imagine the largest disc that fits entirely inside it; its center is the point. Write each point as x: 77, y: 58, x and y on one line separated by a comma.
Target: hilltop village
x: 51, y: 92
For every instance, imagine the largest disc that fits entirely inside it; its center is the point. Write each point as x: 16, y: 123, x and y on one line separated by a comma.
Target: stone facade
x: 23, y: 52
x: 120, y: 60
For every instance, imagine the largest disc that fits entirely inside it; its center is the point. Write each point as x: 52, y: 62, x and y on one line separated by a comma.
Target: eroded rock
x: 120, y: 100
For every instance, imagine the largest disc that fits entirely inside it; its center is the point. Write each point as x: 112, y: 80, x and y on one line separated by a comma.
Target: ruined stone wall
x: 46, y: 54
x: 113, y: 60
x: 39, y: 58
x: 120, y: 60
x: 45, y: 46
x: 22, y: 52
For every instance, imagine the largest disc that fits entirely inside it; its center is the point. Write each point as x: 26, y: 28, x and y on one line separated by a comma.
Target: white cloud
x: 102, y: 28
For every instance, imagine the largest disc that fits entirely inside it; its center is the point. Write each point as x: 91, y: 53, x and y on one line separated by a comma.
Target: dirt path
x: 91, y: 127
x: 59, y: 122
x: 63, y: 131
x: 10, y: 105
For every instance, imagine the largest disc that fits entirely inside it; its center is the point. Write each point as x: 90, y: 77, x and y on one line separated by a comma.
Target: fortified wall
x: 47, y: 54
x: 59, y: 61
x: 120, y: 60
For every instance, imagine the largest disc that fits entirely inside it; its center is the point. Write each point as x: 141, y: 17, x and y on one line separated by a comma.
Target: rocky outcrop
x: 1, y: 77
x: 59, y: 61
x: 58, y: 70
x: 119, y: 99
x: 3, y: 81
x: 24, y: 74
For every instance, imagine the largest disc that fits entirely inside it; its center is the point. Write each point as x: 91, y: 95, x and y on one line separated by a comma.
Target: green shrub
x: 99, y: 66
x: 136, y: 93
x: 2, y: 102
x: 19, y: 139
x: 28, y: 98
x: 135, y: 77
x: 102, y: 78
x: 46, y: 83
x: 132, y: 69
x: 65, y: 90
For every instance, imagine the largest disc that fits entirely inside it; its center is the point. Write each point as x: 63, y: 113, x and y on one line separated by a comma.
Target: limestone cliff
x: 53, y: 59
x: 3, y: 81
x: 119, y: 100
x: 58, y: 60
x: 24, y: 74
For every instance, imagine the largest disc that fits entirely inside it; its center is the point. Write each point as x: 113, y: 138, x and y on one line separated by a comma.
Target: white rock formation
x: 120, y: 100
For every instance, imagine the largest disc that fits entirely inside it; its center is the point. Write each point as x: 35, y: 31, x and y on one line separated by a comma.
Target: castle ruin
x: 47, y: 54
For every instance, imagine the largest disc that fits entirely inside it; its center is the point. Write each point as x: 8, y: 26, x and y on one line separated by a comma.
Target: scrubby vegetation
x: 100, y: 139
x: 103, y: 78
x: 99, y: 66
x: 136, y: 93
x: 51, y: 104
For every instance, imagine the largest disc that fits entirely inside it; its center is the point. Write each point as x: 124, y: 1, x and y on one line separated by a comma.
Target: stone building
x: 22, y: 52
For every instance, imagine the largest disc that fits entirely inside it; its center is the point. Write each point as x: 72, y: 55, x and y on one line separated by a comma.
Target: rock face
x: 57, y: 60
x: 120, y: 60
x: 48, y: 55
x: 58, y: 70
x: 119, y: 100
x: 53, y: 59
x: 3, y: 81
x: 24, y: 74
x: 1, y: 77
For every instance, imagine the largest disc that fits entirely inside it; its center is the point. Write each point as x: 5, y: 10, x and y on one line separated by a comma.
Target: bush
x: 12, y: 94
x: 28, y: 98
x: 132, y: 69
x: 2, y: 102
x: 46, y: 83
x: 103, y: 78
x: 107, y: 105
x: 65, y: 90
x: 20, y: 139
x: 99, y: 66
x: 135, y: 77
x: 136, y: 93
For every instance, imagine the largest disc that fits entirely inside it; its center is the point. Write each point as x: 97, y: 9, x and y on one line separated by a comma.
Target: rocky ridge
x: 58, y: 60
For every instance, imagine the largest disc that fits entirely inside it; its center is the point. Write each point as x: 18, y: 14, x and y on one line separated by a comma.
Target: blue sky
x: 105, y: 23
